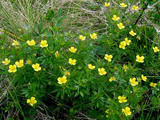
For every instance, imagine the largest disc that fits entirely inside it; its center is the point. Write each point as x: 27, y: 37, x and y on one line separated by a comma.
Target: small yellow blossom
x: 81, y: 37
x: 144, y: 78
x: 72, y: 49
x: 6, y: 61
x: 31, y: 42
x: 122, y: 45
x: 123, y: 5
x: 133, y: 81
x: 107, y: 4
x: 153, y: 84
x: 93, y: 36
x: 32, y: 101
x: 44, y: 43
x: 134, y: 7
x: 90, y: 66
x: 29, y: 62
x: 125, y: 67
x: 132, y: 33
x: 115, y: 18
x: 102, y: 71
x: 120, y: 26
x: 36, y: 67
x: 12, y: 68
x: 62, y: 80
x: 127, y: 41
x: 112, y: 79
x: 108, y: 57
x: 15, y: 43
x: 122, y: 99
x: 155, y: 49
x: 19, y: 63
x: 107, y: 111
x: 127, y: 111
x: 140, y: 59
x: 67, y: 73
x: 56, y: 54
x: 72, y: 61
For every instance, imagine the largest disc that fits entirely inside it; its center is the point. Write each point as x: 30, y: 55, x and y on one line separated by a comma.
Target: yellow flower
x: 107, y: 4
x: 19, y: 63
x: 115, y: 18
x: 120, y: 26
x: 29, y: 61
x: 134, y: 7
x: 93, y: 36
x: 72, y: 49
x: 108, y: 57
x: 122, y: 45
x: 140, y: 59
x: 56, y: 54
x: 125, y: 67
x: 81, y: 37
x: 90, y: 66
x: 72, y: 61
x: 36, y: 67
x: 106, y: 116
x: 6, y: 61
x: 123, y: 5
x: 12, y: 68
x: 153, y: 84
x: 122, y: 99
x: 133, y: 81
x: 127, y: 41
x: 126, y: 111
x: 15, y: 43
x: 31, y: 42
x: 155, y: 49
x: 62, y: 80
x: 67, y: 73
x: 102, y: 71
x: 144, y: 78
x: 112, y: 79
x: 32, y: 101
x: 44, y: 43
x: 107, y: 111
x: 132, y: 33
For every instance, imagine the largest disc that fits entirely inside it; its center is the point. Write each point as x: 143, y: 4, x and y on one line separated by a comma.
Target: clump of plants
x: 111, y: 75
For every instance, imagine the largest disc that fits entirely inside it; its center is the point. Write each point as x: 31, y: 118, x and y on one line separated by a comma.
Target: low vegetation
x: 92, y: 60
